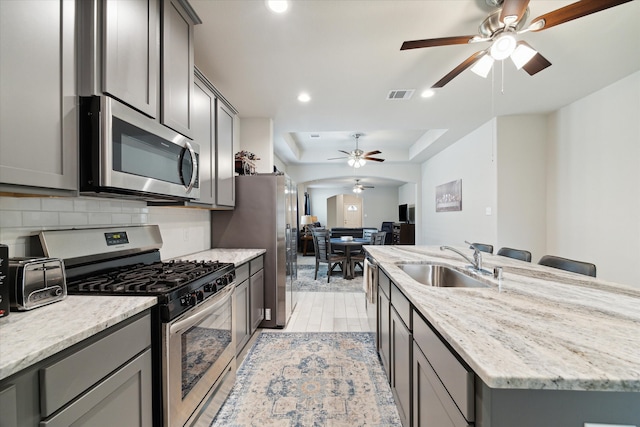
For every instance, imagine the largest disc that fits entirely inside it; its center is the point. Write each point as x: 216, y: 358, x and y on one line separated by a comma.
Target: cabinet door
x: 225, y: 190
x: 122, y: 399
x: 38, y: 134
x: 384, y: 338
x: 241, y: 307
x: 401, y: 347
x: 257, y: 299
x: 203, y: 133
x: 432, y: 405
x: 177, y: 68
x: 131, y: 53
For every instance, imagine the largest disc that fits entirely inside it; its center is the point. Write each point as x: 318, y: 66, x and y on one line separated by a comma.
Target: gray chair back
x: 482, y: 247
x: 580, y: 267
x: 378, y: 238
x: 520, y: 254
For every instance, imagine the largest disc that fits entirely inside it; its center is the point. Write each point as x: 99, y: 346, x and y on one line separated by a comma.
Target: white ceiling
x: 346, y: 55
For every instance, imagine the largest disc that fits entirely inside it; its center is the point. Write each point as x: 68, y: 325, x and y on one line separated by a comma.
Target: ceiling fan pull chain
x: 502, y: 78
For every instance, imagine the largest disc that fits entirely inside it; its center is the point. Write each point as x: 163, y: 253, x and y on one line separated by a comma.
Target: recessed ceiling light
x: 428, y: 93
x: 278, y: 6
x: 304, y: 97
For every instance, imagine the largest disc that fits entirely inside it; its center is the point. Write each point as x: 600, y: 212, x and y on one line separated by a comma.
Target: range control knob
x: 199, y: 295
x: 209, y: 287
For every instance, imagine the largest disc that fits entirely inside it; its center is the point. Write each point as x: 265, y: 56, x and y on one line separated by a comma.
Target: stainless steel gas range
x: 194, y: 348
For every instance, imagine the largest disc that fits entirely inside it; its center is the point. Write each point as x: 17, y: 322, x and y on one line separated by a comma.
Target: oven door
x: 197, y: 349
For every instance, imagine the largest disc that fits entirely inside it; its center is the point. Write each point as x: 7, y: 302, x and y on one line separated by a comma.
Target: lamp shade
x: 306, y: 220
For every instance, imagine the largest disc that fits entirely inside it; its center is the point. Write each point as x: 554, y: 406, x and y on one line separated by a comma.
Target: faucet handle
x: 472, y: 246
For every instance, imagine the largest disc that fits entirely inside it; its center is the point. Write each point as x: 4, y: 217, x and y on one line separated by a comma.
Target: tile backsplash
x: 183, y: 230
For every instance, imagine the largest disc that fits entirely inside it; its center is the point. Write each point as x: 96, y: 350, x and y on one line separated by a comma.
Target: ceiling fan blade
x: 536, y: 64
x: 374, y: 159
x: 513, y: 11
x: 442, y: 41
x: 371, y: 153
x: 337, y: 158
x: 572, y: 11
x: 368, y: 186
x: 345, y: 152
x: 460, y: 68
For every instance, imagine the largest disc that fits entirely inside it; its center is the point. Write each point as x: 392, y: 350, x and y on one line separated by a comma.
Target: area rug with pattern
x: 306, y: 283
x: 310, y: 379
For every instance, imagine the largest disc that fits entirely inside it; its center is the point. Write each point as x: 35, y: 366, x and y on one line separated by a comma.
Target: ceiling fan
x: 359, y: 188
x: 501, y: 28
x: 358, y: 158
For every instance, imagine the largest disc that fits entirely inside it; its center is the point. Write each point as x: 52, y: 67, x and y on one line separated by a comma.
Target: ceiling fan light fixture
x: 523, y: 54
x: 503, y: 46
x: 483, y: 66
x: 357, y: 189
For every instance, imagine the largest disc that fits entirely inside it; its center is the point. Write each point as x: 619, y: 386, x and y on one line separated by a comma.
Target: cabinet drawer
x: 242, y: 272
x: 256, y: 265
x: 64, y: 380
x: 457, y: 379
x: 402, y: 305
x: 384, y: 283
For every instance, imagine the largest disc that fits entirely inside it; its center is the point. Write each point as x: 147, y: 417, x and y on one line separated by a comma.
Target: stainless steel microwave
x: 125, y: 153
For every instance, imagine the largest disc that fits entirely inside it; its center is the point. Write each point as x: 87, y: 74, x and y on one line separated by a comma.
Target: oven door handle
x: 192, y: 318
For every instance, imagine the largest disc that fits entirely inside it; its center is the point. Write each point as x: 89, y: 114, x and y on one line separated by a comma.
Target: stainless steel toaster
x: 34, y: 282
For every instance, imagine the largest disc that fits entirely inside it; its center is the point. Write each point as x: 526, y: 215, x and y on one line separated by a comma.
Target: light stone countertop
x: 236, y: 256
x: 540, y: 328
x: 31, y: 336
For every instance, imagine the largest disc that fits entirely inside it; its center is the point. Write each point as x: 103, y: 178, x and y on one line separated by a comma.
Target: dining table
x: 349, y: 246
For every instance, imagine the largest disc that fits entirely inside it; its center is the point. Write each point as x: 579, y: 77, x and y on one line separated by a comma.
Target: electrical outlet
x: 606, y: 425
x: 267, y: 314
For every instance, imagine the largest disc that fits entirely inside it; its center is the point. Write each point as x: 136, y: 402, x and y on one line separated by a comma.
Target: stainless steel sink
x: 440, y: 276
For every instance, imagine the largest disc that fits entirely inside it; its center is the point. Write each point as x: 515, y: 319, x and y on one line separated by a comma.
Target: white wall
x: 256, y: 136
x: 184, y: 231
x: 521, y: 190
x: 471, y: 159
x: 593, y: 192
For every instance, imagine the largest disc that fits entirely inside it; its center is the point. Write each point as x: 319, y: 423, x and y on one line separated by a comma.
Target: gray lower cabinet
x: 242, y: 307
x: 401, y: 348
x: 38, y: 117
x: 104, y: 380
x: 384, y: 334
x: 432, y: 406
x: 256, y: 284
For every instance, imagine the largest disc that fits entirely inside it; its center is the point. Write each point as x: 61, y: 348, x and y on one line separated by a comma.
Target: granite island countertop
x: 538, y: 328
x: 31, y: 336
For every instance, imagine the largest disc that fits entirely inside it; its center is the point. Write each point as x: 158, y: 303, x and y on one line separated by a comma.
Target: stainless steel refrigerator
x: 265, y: 217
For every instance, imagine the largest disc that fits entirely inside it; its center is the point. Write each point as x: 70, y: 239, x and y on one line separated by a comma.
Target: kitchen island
x: 540, y: 341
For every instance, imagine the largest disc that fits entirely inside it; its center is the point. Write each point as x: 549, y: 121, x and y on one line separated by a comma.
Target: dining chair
x: 520, y: 254
x: 580, y: 267
x: 378, y: 238
x: 482, y: 247
x: 322, y: 246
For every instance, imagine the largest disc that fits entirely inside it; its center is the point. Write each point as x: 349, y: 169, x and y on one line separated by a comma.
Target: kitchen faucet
x: 476, y: 262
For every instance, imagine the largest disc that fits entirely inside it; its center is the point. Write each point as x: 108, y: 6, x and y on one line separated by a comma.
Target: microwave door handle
x: 194, y: 318
x: 194, y: 175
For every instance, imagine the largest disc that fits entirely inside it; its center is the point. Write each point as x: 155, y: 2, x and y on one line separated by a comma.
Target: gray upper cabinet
x: 38, y: 118
x: 213, y: 132
x: 131, y: 54
x: 204, y: 113
x: 225, y: 182
x: 178, y: 20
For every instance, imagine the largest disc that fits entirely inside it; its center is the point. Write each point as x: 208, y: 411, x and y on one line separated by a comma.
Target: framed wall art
x: 449, y: 196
